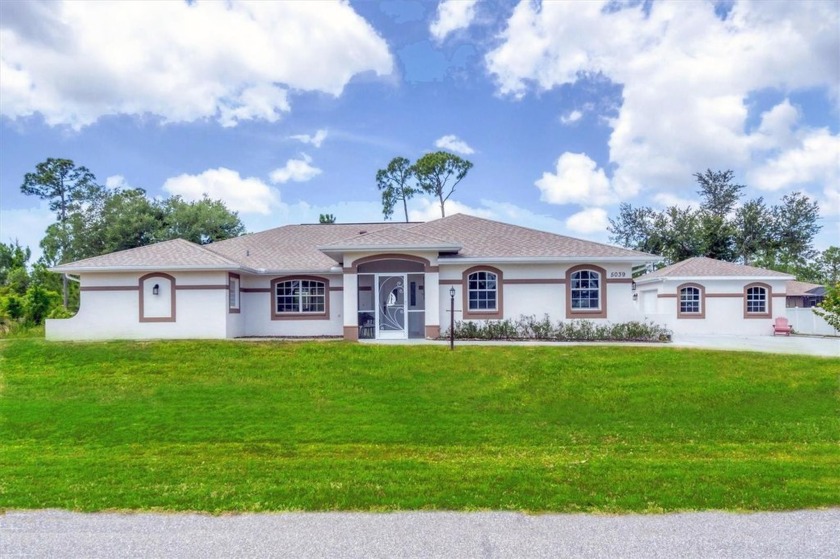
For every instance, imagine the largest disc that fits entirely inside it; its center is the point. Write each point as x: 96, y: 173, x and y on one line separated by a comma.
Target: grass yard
x: 226, y: 426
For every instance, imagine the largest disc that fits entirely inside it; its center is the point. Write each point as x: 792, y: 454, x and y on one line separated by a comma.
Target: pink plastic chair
x: 781, y: 326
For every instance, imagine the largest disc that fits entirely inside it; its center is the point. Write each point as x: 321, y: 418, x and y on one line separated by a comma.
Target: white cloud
x: 316, y: 139
x: 116, y: 181
x: 571, y: 117
x: 75, y: 62
x: 297, y: 170
x: 666, y: 199
x: 816, y: 159
x: 245, y: 195
x: 686, y: 76
x: 589, y: 220
x: 577, y: 180
x: 453, y: 143
x: 426, y: 209
x: 451, y: 16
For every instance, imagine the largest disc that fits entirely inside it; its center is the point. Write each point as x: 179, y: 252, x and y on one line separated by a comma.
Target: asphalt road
x: 812, y: 534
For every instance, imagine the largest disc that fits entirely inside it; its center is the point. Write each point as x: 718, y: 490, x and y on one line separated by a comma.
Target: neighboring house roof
x: 801, y: 288
x: 319, y: 247
x: 702, y: 267
x: 172, y: 255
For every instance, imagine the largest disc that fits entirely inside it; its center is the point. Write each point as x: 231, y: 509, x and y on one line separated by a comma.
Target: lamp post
x: 452, y: 318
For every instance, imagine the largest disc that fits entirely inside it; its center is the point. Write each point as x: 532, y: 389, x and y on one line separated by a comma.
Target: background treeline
x: 779, y: 237
x: 92, y: 219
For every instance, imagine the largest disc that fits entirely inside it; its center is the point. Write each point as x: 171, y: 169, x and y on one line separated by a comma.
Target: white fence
x: 804, y: 321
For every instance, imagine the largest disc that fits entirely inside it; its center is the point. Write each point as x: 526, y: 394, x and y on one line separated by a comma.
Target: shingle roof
x: 176, y: 253
x: 700, y: 266
x: 392, y: 237
x: 486, y: 238
x: 800, y: 288
x: 293, y: 247
x: 296, y: 247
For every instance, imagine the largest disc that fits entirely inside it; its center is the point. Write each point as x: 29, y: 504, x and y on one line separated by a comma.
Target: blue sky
x: 287, y: 110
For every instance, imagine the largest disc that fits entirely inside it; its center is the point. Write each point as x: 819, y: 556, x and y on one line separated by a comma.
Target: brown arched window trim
x: 768, y: 301
x: 171, y: 317
x: 702, y: 290
x: 299, y: 315
x: 477, y: 314
x: 602, y: 293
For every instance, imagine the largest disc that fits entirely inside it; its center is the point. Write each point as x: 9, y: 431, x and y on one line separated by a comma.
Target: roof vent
x: 362, y: 232
x: 247, y: 253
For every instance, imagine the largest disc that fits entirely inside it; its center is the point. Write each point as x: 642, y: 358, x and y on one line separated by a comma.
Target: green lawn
x: 227, y: 426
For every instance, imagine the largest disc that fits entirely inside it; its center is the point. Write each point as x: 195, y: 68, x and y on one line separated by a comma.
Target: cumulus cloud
x: 571, y: 117
x: 686, y: 75
x: 245, y: 195
x: 451, y: 16
x: 577, y: 180
x: 316, y: 139
x: 815, y: 159
x: 451, y: 142
x: 426, y: 210
x: 589, y: 220
x: 74, y: 62
x: 296, y: 170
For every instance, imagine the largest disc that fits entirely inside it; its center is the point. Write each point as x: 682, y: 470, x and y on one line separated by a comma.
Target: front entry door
x: 390, y: 307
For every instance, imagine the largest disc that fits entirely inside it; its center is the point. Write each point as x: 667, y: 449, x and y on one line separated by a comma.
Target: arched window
x: 483, y: 293
x: 691, y: 302
x: 757, y: 301
x: 586, y: 292
x: 482, y: 287
x: 300, y: 297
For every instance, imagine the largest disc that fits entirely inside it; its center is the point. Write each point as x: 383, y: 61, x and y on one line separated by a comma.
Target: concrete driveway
x: 812, y: 534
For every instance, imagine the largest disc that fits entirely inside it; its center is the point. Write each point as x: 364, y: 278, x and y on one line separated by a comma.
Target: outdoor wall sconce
x: 635, y: 296
x: 156, y: 290
x: 633, y: 286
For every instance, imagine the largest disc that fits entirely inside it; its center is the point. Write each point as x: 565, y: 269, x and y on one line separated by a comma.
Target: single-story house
x: 707, y: 296
x: 383, y: 281
x: 803, y: 294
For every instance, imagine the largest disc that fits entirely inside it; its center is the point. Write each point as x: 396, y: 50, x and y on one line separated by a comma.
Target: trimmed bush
x: 531, y: 328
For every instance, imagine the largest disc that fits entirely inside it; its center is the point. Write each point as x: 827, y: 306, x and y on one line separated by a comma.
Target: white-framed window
x: 756, y: 300
x: 233, y: 292
x: 690, y: 300
x: 300, y: 296
x: 585, y: 290
x: 482, y: 291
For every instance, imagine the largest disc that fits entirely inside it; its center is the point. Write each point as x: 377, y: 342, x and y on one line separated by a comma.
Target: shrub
x: 530, y: 328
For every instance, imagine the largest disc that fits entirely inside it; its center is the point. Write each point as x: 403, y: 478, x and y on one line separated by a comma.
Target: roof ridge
x: 540, y: 231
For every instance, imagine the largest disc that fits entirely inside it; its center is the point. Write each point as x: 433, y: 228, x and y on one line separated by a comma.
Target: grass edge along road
x: 221, y: 426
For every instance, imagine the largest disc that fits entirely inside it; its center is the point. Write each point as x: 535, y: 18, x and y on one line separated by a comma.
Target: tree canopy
x: 780, y: 237
x: 394, y: 183
x: 439, y: 173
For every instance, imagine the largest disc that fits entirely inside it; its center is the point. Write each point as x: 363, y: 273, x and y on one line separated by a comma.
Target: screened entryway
x: 392, y: 300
